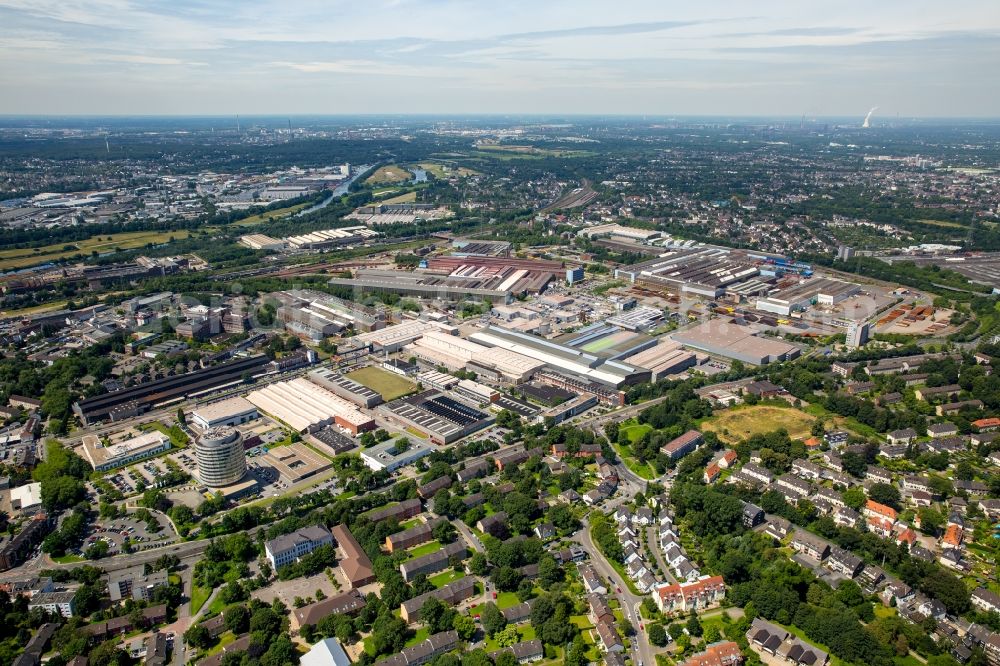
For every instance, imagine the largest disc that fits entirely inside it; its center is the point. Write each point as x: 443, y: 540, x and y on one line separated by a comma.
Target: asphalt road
x: 643, y: 654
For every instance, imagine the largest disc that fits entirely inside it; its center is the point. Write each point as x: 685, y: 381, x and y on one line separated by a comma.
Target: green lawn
x: 388, y: 384
x: 506, y: 600
x: 423, y: 549
x: 442, y: 579
x: 422, y: 634
x: 525, y: 632
x: 640, y: 469
x: 68, y: 559
x: 216, y: 606
x: 834, y: 661
x: 636, y: 431
x: 908, y: 660
x: 225, y: 639
x: 199, y: 595
x: 884, y: 611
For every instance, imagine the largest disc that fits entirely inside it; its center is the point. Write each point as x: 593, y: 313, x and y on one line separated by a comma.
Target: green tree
x: 493, y: 620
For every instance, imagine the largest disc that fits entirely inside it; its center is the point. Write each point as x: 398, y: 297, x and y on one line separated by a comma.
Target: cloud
x: 602, y: 30
x: 830, y: 31
x: 147, y: 60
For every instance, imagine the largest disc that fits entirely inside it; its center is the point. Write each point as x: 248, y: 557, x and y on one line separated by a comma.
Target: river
x: 339, y: 191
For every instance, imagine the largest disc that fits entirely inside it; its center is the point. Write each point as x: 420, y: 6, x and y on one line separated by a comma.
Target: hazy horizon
x: 774, y: 58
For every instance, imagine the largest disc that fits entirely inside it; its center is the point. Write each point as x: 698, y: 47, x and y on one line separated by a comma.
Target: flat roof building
x: 442, y: 418
x: 820, y: 291
x: 228, y: 412
x: 307, y: 407
x: 345, y: 387
x: 726, y: 338
x: 562, y: 357
x: 103, y: 458
x: 386, y: 456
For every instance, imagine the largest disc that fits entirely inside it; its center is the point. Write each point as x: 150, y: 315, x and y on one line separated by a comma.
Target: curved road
x: 644, y: 654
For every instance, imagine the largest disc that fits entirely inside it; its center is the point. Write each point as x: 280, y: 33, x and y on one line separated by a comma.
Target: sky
x: 914, y: 58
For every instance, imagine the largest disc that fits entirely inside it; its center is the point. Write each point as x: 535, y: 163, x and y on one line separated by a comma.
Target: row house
x: 873, y: 509
x: 792, y: 488
x: 682, y: 598
x: 807, y: 470
x: 808, y: 544
x: 829, y: 495
x: 845, y: 516
x: 914, y: 482
x: 765, y: 636
x: 878, y: 474
x: 904, y: 436
x: 844, y: 562
x: 947, y: 445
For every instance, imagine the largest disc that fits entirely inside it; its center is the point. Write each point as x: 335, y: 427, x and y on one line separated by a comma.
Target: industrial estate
x: 483, y: 393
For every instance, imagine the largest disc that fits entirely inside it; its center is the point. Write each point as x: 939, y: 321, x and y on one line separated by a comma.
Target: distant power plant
x: 868, y: 118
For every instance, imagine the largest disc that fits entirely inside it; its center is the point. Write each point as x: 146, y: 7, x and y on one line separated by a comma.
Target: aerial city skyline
x: 454, y: 333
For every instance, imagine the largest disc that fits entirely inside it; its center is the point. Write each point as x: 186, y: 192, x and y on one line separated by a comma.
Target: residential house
x: 904, y: 436
x: 722, y: 653
x: 765, y: 637
x: 986, y: 600
x: 807, y: 544
x: 753, y: 515
x: 844, y: 561
x: 682, y: 598
x: 939, y: 430
x: 591, y: 581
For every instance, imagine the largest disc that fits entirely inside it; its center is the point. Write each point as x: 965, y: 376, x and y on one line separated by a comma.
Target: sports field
x: 733, y: 425
x: 389, y: 385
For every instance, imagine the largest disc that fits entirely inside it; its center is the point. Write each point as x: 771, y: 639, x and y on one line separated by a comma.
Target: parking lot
x: 287, y: 590
x: 114, y: 532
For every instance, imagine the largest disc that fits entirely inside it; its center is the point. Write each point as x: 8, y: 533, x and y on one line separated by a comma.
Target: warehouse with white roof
x: 307, y: 407
x: 562, y: 357
x: 229, y: 412
x: 455, y: 353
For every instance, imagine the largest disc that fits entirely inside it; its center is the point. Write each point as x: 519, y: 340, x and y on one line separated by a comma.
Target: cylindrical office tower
x: 221, y: 460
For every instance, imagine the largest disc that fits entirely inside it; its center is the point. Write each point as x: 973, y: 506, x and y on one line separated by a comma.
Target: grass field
x: 637, y: 467
x: 199, y: 595
x: 738, y: 423
x: 424, y: 549
x: 442, y: 579
x: 389, y: 385
x: 514, y: 152
x: 636, y: 431
x: 391, y: 173
x: 20, y: 258
x: 525, y: 632
x: 406, y: 197
x: 422, y: 634
x: 276, y: 214
x: 68, y: 559
x: 442, y: 171
x: 35, y: 309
